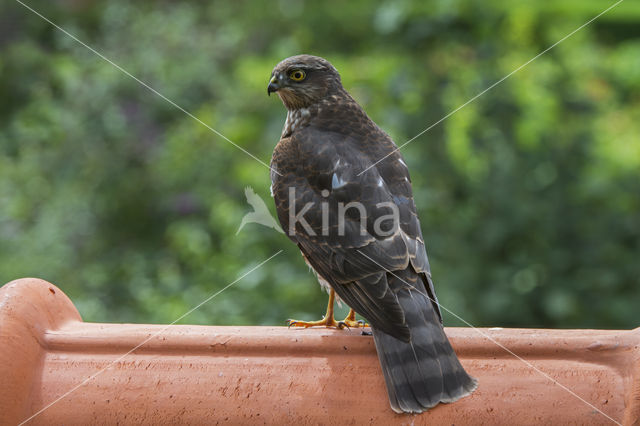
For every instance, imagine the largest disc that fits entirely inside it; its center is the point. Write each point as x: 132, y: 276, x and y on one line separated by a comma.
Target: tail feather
x: 425, y: 371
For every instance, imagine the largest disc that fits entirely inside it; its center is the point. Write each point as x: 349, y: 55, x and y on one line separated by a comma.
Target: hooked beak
x: 273, y: 85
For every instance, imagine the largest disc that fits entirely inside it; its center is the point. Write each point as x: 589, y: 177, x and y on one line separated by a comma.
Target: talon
x: 363, y: 324
x: 328, y: 321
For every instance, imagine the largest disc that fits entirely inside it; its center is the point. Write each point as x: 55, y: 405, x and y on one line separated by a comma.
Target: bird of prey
x: 355, y: 222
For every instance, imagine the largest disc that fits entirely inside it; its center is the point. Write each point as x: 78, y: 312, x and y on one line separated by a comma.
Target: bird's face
x: 303, y: 80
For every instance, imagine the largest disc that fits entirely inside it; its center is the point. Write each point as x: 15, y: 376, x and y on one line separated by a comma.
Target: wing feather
x: 322, y: 168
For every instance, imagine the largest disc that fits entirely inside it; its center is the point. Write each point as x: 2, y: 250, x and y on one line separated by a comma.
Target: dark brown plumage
x: 378, y: 267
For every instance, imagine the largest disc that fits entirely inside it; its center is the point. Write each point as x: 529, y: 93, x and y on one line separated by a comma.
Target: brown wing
x: 321, y: 167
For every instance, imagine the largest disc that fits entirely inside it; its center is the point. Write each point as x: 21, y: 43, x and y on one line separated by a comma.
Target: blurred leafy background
x: 529, y: 196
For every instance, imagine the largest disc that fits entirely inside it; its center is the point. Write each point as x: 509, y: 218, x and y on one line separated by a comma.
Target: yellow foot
x: 329, y: 322
x: 353, y: 323
x: 350, y: 321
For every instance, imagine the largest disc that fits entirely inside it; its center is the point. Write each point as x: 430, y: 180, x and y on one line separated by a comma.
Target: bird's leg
x: 350, y: 321
x: 328, y: 320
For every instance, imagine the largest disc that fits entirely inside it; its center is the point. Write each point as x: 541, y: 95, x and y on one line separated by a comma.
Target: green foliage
x: 529, y: 196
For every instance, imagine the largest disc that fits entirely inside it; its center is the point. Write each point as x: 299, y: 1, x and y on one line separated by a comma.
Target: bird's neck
x: 296, y: 119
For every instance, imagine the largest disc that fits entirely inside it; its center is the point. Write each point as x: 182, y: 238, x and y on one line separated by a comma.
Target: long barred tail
x: 426, y: 371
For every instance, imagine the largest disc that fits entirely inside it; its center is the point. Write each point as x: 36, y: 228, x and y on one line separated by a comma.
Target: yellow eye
x: 297, y: 75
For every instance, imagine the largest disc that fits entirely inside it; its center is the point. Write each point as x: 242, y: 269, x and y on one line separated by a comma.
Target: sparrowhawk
x: 356, y: 224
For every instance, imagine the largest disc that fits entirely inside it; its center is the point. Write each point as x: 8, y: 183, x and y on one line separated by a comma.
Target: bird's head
x: 303, y: 80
